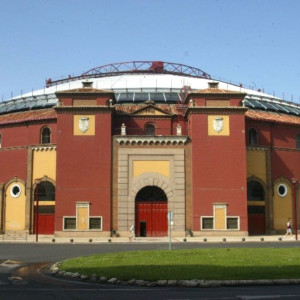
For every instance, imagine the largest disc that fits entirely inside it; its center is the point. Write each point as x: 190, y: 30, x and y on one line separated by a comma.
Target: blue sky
x: 251, y: 42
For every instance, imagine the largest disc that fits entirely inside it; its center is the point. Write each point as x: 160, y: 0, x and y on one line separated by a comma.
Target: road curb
x: 55, y: 271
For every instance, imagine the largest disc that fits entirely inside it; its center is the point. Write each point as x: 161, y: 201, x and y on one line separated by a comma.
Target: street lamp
x: 36, y: 194
x: 294, y: 182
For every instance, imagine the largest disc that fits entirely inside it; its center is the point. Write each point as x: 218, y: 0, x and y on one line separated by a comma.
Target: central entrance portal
x: 151, y: 209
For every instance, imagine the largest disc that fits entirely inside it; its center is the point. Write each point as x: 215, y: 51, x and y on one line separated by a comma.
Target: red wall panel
x: 84, y: 169
x: 13, y: 163
x: 219, y: 169
x: 26, y: 134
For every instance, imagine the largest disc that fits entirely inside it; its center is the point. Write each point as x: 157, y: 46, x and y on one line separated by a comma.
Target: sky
x: 256, y: 43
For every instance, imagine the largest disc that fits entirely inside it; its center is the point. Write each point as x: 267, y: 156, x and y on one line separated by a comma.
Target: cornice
x: 44, y: 148
x: 146, y: 117
x: 84, y: 91
x: 257, y: 148
x: 151, y: 140
x: 84, y: 109
x: 227, y: 110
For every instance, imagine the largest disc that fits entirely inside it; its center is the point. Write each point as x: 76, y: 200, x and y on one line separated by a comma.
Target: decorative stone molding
x: 84, y: 109
x: 257, y: 148
x: 151, y: 140
x: 129, y: 186
x: 123, y: 129
x: 178, y: 129
x: 226, y: 110
x: 42, y: 148
x: 152, y: 180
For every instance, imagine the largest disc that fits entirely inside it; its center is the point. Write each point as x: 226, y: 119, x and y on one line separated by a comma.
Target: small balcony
x: 150, y: 136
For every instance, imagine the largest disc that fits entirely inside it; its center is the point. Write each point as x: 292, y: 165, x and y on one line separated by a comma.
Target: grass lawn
x: 206, y: 264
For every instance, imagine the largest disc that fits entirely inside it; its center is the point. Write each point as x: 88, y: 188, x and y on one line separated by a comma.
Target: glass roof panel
x: 269, y: 105
x: 259, y: 104
x: 124, y: 97
x: 141, y: 97
x: 3, y: 108
x: 249, y: 103
x: 157, y: 97
x: 172, y: 97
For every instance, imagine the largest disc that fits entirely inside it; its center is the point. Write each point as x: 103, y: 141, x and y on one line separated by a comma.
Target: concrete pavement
x: 32, y: 238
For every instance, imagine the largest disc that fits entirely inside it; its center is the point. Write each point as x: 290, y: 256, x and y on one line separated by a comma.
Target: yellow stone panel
x: 218, y: 125
x: 84, y: 125
x: 257, y: 164
x: 82, y: 217
x: 44, y: 164
x: 220, y: 218
x: 283, y: 207
x: 144, y: 166
x: 15, y: 209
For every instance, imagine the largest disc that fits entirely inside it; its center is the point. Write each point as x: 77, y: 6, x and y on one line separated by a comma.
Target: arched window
x: 298, y: 141
x: 46, y: 135
x: 150, y: 129
x: 255, y: 191
x: 46, y: 191
x: 151, y: 193
x: 252, y: 136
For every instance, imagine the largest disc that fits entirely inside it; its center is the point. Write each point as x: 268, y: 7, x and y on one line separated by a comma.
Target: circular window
x: 282, y: 190
x: 15, y: 191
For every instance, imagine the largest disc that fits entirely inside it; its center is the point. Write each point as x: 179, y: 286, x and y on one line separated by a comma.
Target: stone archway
x: 151, y: 209
x: 256, y: 202
x: 44, y: 209
x: 130, y: 183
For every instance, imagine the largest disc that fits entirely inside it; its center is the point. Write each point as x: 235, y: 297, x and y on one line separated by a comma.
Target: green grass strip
x: 203, y: 264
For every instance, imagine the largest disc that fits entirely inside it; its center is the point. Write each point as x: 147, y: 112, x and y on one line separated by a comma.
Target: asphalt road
x: 38, y: 252
x: 23, y: 275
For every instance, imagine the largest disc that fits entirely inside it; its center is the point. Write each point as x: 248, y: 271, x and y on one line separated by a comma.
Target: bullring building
x: 125, y: 143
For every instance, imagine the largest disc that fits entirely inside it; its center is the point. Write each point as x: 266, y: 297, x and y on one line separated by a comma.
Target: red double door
x: 45, y: 224
x: 151, y: 218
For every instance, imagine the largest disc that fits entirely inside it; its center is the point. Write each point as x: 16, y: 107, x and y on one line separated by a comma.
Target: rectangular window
x: 69, y: 223
x: 95, y: 223
x: 207, y: 223
x: 232, y: 223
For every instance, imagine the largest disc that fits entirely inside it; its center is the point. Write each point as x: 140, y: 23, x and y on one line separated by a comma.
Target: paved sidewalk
x: 209, y: 239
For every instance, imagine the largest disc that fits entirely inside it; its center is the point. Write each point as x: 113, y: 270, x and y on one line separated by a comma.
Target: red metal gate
x: 45, y: 225
x: 256, y: 224
x: 151, y: 218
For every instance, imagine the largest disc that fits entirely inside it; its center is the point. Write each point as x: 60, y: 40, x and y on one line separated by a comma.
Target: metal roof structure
x: 140, y: 81
x: 28, y: 103
x: 136, y: 67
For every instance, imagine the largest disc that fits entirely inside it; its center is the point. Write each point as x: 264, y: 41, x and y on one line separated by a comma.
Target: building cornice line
x: 216, y: 110
x: 33, y: 147
x: 88, y: 109
x: 144, y: 117
x: 257, y: 148
x: 152, y: 140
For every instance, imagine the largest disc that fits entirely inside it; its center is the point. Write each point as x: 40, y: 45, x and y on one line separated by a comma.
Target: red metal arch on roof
x: 147, y: 67
x: 136, y: 67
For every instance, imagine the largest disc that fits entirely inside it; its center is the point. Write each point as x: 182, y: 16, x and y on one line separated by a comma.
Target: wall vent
x: 213, y: 85
x: 87, y: 84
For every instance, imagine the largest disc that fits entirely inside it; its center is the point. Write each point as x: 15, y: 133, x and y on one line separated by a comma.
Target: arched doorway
x: 44, y: 208
x: 256, y: 207
x: 151, y: 208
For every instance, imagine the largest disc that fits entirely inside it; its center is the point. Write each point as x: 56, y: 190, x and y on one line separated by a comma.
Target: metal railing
x: 14, y: 236
x: 157, y: 132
